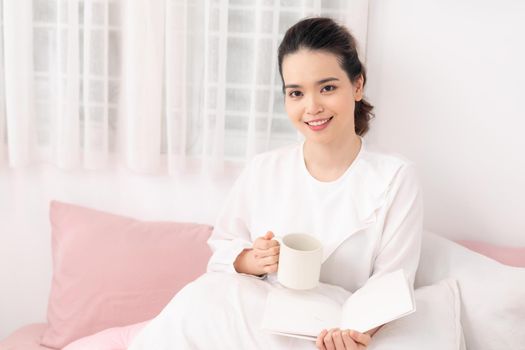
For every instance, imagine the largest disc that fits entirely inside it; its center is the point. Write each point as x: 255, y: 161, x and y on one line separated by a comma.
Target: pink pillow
x: 110, y: 270
x: 512, y: 256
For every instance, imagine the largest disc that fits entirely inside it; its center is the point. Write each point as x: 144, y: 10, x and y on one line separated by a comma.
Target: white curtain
x: 154, y: 85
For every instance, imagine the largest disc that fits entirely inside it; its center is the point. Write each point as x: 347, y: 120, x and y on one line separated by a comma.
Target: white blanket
x: 220, y: 311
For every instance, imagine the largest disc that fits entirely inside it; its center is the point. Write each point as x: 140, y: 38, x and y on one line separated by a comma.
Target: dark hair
x: 322, y: 33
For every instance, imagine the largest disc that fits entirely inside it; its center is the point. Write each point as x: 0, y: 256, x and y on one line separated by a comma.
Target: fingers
x: 263, y: 243
x: 267, y: 260
x: 266, y: 253
x: 269, y: 235
x: 348, y: 341
x: 328, y: 341
x: 319, y: 342
x: 338, y: 340
x: 361, y: 338
x: 270, y: 268
x: 268, y: 264
x: 263, y: 253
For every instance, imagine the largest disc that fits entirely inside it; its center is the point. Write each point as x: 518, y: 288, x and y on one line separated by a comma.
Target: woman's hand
x: 336, y: 339
x: 266, y: 253
x: 261, y: 259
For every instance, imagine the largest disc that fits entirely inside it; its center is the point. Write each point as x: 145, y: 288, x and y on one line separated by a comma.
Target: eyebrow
x: 322, y: 81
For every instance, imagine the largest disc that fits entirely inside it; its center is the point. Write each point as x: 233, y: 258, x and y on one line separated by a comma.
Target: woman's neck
x: 327, y: 162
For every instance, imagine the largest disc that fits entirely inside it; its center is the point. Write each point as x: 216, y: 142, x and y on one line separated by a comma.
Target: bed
x: 111, y: 274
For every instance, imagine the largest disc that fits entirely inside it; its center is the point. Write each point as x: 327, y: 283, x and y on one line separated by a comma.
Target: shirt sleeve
x: 230, y: 234
x: 400, y: 243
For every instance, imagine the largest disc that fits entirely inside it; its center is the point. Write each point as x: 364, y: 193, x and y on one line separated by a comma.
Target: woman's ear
x: 358, y: 88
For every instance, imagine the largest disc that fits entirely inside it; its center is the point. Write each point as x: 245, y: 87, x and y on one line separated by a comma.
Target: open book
x: 304, y: 314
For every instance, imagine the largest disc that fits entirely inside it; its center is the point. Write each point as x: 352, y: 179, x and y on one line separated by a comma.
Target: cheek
x: 347, y: 106
x: 292, y: 110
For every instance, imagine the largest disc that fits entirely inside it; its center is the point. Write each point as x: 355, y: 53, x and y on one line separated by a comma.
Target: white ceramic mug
x: 300, y: 258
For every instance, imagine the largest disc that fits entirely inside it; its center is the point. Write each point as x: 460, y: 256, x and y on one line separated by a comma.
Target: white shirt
x: 370, y: 219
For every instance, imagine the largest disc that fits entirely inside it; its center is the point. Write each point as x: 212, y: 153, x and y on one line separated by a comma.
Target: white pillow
x: 492, y: 294
x: 434, y: 326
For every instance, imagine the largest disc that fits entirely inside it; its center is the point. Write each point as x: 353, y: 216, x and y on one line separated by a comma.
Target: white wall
x: 25, y: 241
x: 448, y: 80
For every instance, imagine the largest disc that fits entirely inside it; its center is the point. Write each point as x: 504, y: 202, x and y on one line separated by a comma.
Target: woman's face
x: 319, y: 96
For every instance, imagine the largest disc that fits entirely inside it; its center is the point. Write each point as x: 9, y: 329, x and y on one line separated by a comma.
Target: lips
x: 318, y: 124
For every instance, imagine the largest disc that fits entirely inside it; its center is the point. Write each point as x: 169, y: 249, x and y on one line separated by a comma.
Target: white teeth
x: 319, y: 122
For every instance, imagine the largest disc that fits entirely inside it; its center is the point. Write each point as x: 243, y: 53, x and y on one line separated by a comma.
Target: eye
x: 294, y: 93
x: 329, y: 88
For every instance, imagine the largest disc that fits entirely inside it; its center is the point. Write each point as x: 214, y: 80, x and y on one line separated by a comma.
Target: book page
x: 379, y: 301
x: 300, y: 313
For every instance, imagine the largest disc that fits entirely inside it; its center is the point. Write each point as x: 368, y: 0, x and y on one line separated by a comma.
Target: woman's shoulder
x: 386, y: 166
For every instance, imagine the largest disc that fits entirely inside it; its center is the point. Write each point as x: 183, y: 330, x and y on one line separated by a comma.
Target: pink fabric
x: 512, y: 256
x: 110, y: 270
x: 118, y: 338
x: 25, y: 338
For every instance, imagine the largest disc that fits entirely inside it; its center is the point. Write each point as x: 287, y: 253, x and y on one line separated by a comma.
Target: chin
x: 319, y: 139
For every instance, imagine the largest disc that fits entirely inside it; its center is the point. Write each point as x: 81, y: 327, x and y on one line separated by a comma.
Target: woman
x: 364, y: 206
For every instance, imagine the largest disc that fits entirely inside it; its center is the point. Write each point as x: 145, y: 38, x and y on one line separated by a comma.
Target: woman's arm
x: 400, y: 244
x: 231, y: 236
x: 231, y: 243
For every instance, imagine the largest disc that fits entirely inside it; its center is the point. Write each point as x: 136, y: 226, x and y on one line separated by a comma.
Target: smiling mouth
x: 318, y: 122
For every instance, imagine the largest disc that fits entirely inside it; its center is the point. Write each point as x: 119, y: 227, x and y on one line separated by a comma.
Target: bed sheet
x: 25, y: 338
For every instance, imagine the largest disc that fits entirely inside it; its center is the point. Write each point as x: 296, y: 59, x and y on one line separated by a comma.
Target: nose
x: 313, y: 105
